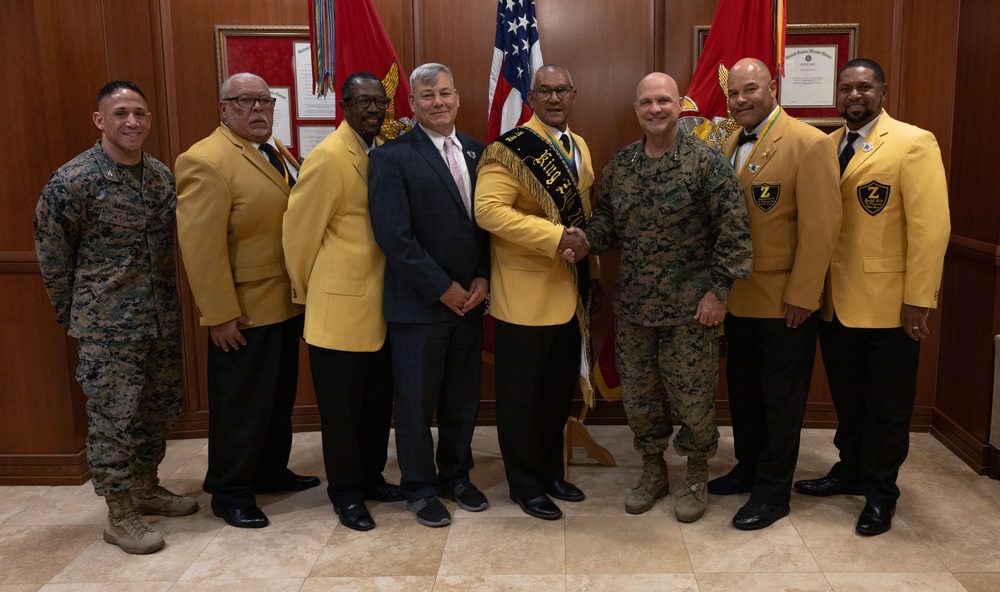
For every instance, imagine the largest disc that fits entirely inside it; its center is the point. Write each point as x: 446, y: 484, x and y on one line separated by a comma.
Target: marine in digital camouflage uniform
x: 675, y: 206
x: 104, y: 234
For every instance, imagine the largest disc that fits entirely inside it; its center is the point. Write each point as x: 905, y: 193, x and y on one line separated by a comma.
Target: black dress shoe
x: 290, y: 482
x: 755, y: 515
x: 827, y: 486
x: 354, y: 516
x: 539, y: 507
x: 564, y: 490
x: 875, y: 519
x: 386, y: 492
x: 729, y: 484
x: 245, y: 517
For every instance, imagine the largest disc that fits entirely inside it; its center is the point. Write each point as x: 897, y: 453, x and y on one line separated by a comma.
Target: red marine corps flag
x: 348, y: 35
x: 740, y: 29
x: 516, y: 56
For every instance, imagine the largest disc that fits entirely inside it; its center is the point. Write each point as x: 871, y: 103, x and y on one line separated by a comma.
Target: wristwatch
x: 720, y: 293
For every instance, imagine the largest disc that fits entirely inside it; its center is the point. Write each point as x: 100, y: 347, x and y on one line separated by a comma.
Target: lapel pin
x: 766, y: 155
x: 754, y: 167
x: 867, y: 147
x: 470, y: 154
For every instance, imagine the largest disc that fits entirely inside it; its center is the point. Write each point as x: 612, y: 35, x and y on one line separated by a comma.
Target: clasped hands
x: 460, y: 300
x: 573, y: 246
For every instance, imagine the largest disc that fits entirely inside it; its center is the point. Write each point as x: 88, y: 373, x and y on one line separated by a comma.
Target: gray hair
x: 227, y: 84
x: 550, y: 68
x: 427, y: 74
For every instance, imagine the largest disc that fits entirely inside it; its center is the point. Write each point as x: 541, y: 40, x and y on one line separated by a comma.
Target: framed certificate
x: 813, y: 56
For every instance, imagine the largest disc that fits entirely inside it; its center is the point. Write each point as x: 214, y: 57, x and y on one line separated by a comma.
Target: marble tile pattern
x: 945, y: 536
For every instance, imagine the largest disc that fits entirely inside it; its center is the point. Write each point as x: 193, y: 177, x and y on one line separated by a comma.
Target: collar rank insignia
x: 765, y: 196
x: 873, y: 197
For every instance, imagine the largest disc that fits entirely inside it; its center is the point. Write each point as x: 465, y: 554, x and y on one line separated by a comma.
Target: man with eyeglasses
x: 534, y: 184
x: 232, y: 191
x: 337, y: 271
x: 435, y: 283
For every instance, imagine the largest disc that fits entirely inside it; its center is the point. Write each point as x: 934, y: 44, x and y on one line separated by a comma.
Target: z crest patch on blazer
x: 873, y: 196
x: 765, y: 195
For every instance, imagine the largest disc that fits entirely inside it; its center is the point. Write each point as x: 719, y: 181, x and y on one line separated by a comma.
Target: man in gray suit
x: 420, y: 190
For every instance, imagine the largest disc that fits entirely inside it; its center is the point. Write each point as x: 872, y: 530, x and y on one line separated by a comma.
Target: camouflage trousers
x: 675, y: 365
x: 134, y: 396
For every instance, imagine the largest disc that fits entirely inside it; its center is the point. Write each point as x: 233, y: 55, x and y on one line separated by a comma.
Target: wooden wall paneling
x: 675, y: 49
x: 42, y: 421
x: 929, y: 43
x: 460, y: 35
x: 191, y: 53
x: 609, y: 48
x: 971, y: 289
x: 965, y: 382
x: 975, y: 209
x: 27, y: 162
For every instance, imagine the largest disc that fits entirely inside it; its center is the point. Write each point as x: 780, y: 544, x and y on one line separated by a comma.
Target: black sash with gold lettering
x: 532, y: 161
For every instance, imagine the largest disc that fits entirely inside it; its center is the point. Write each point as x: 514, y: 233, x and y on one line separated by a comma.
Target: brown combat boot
x: 151, y: 498
x: 129, y: 530
x: 691, y: 503
x: 652, y: 485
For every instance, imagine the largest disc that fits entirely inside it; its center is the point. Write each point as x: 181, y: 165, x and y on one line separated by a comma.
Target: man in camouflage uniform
x: 676, y: 207
x: 104, y: 234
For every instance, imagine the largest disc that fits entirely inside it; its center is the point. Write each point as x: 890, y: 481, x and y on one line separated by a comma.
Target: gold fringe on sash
x: 499, y: 153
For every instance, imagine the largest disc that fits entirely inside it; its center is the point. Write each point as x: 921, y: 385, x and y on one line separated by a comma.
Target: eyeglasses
x: 246, y: 102
x: 363, y: 102
x: 544, y: 92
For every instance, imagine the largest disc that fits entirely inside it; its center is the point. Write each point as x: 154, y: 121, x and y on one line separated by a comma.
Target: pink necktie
x: 456, y: 173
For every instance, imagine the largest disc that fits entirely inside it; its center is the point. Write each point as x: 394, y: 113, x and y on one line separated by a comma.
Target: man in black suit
x: 420, y: 190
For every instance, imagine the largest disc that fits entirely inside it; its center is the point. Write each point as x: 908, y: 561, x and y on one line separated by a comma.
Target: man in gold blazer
x: 534, y: 301
x: 232, y: 191
x: 883, y: 280
x: 337, y: 271
x: 788, y: 173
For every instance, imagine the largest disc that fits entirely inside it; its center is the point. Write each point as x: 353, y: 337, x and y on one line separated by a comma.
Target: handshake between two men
x: 574, y: 246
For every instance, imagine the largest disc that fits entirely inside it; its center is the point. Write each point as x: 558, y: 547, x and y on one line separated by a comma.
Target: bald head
x: 752, y: 93
x: 657, y: 105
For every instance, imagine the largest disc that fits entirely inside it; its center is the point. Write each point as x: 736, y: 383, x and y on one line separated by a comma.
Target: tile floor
x: 945, y: 537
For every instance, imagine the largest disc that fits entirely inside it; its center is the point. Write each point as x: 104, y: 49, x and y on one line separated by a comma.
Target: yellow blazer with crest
x: 230, y: 202
x: 790, y: 185
x: 896, y: 227
x: 336, y: 268
x: 529, y: 282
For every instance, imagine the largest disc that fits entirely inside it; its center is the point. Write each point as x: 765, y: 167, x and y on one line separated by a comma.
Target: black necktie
x: 746, y: 138
x: 277, y: 162
x: 564, y: 139
x: 848, y: 152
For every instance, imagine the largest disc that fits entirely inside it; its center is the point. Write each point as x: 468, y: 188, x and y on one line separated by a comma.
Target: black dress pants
x: 537, y: 369
x: 354, y: 396
x: 251, y: 393
x: 873, y: 381
x: 768, y: 370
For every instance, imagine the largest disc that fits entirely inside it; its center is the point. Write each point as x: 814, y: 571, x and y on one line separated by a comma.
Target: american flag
x: 516, y: 56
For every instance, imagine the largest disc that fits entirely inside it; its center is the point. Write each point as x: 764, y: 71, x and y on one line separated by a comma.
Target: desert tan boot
x: 128, y: 529
x: 691, y: 503
x: 652, y: 485
x: 151, y: 498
